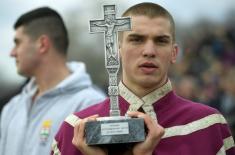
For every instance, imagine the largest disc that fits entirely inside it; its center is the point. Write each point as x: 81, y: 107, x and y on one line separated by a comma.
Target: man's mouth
x: 148, y: 67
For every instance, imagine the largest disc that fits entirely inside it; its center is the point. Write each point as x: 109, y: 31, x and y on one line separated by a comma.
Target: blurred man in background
x: 56, y: 88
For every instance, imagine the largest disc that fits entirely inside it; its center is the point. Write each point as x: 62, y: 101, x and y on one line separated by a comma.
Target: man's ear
x: 174, y: 53
x: 44, y: 43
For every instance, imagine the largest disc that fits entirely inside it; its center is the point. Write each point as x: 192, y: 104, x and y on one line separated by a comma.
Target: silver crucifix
x: 110, y: 26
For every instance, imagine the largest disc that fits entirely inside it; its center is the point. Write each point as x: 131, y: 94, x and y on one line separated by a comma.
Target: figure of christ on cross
x: 110, y: 26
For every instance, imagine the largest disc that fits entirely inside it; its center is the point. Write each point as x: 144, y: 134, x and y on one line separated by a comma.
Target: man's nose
x: 13, y: 53
x: 149, y: 49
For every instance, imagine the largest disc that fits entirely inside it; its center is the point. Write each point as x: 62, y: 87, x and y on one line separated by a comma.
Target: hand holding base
x: 114, y: 130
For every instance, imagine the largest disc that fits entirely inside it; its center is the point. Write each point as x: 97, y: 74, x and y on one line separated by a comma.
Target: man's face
x: 24, y: 52
x: 147, y: 52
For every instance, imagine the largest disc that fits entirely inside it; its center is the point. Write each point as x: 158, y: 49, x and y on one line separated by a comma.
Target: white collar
x: 146, y: 101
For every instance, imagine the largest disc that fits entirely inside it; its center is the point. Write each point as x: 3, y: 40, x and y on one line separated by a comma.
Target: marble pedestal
x: 115, y: 130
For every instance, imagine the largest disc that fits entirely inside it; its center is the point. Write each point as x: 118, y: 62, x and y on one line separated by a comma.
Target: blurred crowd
x: 206, y: 71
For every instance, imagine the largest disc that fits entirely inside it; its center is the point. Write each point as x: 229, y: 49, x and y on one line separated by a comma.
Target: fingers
x: 149, y: 122
x: 134, y: 113
x: 154, y: 129
x: 79, y: 134
x: 154, y: 134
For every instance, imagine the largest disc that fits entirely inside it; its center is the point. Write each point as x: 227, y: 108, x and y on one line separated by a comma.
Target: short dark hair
x: 46, y: 21
x: 151, y: 10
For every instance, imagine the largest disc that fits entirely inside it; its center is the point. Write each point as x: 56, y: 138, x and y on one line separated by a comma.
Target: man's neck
x: 49, y: 78
x: 140, y: 90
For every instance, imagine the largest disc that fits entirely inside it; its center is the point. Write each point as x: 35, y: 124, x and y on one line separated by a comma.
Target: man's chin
x: 151, y: 82
x: 22, y: 74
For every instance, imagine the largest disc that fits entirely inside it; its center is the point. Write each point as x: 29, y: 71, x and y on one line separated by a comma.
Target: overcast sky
x: 184, y: 11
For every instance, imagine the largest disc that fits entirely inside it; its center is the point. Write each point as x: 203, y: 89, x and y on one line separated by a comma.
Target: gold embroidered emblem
x: 45, y: 130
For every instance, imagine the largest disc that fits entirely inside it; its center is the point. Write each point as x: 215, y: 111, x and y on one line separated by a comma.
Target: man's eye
x: 137, y: 40
x: 162, y: 41
x: 16, y: 44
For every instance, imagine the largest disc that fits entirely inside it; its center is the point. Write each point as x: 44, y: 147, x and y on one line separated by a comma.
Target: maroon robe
x: 190, y: 128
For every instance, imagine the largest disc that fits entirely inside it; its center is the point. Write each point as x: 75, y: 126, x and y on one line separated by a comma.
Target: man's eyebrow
x: 141, y: 35
x: 163, y: 36
x: 135, y: 35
